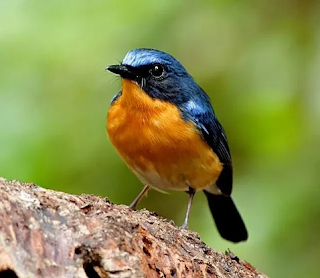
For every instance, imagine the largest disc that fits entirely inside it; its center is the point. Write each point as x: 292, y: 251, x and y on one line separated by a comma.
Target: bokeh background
x: 258, y: 60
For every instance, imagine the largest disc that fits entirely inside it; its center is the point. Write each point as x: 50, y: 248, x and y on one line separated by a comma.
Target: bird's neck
x: 134, y: 97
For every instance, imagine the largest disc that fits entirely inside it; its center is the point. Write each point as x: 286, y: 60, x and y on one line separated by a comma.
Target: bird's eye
x: 157, y: 70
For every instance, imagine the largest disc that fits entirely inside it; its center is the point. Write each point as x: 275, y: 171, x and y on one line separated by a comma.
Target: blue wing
x: 200, y: 112
x: 115, y: 97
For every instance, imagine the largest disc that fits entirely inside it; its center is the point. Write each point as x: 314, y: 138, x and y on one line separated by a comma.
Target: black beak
x: 124, y: 71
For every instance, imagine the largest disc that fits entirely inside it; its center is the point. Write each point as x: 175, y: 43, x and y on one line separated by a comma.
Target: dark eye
x: 157, y: 70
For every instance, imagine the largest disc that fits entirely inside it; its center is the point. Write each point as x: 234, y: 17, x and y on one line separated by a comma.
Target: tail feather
x: 227, y: 218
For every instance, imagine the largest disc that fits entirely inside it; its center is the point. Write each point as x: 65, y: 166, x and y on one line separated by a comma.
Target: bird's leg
x: 191, y: 193
x: 139, y: 197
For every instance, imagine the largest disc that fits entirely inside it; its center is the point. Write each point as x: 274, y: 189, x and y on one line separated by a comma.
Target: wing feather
x: 200, y: 112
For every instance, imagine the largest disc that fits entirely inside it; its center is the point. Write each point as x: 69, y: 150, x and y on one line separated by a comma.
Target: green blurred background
x: 258, y: 60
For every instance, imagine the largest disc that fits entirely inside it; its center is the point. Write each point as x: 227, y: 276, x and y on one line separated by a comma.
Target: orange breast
x: 162, y: 149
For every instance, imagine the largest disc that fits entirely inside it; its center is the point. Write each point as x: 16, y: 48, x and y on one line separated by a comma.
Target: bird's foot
x: 184, y: 225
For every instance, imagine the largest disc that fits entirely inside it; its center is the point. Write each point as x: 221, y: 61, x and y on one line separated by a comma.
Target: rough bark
x: 45, y: 233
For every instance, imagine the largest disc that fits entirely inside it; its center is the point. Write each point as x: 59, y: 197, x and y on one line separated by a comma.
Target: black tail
x: 228, y: 220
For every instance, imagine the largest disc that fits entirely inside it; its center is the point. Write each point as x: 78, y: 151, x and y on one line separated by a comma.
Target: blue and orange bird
x: 163, y: 126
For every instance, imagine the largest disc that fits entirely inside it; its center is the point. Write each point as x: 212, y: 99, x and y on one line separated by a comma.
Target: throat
x: 133, y: 96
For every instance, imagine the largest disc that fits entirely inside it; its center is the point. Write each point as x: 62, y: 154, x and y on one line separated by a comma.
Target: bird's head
x: 158, y: 74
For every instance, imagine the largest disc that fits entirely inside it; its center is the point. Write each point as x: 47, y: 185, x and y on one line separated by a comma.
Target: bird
x: 163, y: 126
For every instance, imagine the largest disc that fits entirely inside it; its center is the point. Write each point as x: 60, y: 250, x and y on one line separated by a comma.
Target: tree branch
x: 45, y: 233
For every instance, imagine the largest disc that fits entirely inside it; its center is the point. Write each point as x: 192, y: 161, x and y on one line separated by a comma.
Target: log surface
x: 46, y: 233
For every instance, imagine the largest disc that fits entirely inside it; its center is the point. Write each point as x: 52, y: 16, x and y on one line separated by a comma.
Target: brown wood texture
x: 46, y: 233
